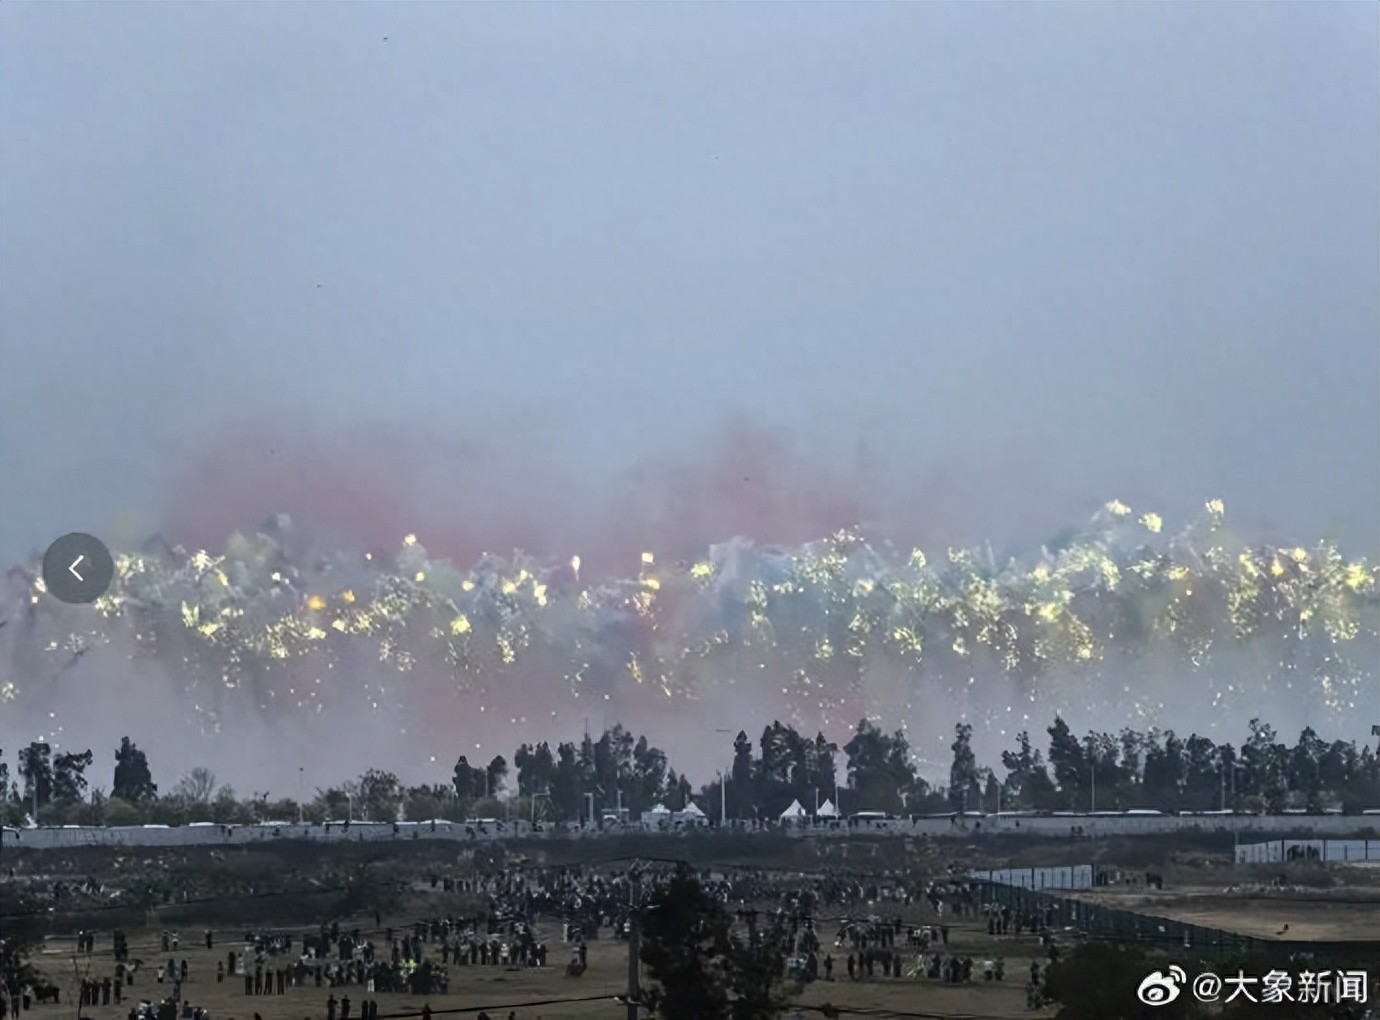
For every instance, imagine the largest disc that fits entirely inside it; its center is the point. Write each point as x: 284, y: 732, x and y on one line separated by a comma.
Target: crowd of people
x: 891, y: 926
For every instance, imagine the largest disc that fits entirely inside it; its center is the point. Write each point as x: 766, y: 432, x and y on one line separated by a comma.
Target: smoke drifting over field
x: 349, y: 631
x: 488, y: 274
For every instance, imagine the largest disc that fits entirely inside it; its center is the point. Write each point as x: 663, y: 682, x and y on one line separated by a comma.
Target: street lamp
x: 536, y: 797
x: 723, y: 788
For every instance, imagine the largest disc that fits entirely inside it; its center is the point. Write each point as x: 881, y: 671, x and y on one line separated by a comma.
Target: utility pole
x: 300, y: 790
x: 634, y: 941
x: 1092, y: 772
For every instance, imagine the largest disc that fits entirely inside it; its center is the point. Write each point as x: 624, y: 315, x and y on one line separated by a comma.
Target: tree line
x: 622, y: 773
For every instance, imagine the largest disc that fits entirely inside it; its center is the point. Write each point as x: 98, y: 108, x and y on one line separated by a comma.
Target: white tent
x: 827, y: 810
x: 660, y: 813
x: 794, y: 813
x: 692, y: 815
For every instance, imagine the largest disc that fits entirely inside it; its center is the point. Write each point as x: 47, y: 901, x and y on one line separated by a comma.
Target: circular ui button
x: 77, y: 568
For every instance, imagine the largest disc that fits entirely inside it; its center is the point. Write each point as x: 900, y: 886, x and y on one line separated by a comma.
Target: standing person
x: 208, y: 938
x: 330, y: 1008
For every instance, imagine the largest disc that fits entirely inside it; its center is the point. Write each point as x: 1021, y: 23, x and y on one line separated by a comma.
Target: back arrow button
x: 77, y: 568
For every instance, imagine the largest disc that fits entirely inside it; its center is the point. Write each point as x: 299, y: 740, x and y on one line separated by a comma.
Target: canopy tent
x: 659, y: 813
x: 794, y: 813
x: 692, y: 815
x: 827, y: 810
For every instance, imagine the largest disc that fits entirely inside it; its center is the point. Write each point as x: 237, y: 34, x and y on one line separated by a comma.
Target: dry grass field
x: 1323, y: 902
x: 502, y: 990
x: 1316, y: 902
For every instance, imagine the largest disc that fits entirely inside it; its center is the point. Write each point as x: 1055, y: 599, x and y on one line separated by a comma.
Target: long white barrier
x: 1083, y: 826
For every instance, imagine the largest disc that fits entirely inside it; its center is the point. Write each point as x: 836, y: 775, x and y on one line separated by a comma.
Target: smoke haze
x: 599, y: 281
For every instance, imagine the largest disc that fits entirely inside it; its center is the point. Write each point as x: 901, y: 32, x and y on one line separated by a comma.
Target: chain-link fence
x: 1283, y: 851
x: 1077, y: 876
x: 1083, y: 919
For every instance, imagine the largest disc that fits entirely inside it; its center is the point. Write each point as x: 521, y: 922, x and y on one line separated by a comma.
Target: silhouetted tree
x: 1066, y: 760
x: 196, y: 787
x: 496, y: 772
x: 880, y: 770
x: 133, y: 780
x: 963, y: 773
x: 380, y: 795
x: 36, y: 766
x: 69, y: 776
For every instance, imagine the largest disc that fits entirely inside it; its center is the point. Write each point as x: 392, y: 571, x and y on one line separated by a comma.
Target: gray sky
x: 998, y: 263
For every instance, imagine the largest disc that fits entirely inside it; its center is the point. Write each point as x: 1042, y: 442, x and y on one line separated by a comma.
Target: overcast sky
x: 1010, y: 260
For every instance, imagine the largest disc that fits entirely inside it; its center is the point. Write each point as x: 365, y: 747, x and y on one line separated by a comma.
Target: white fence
x: 1073, y: 826
x: 1282, y: 851
x: 1078, y: 876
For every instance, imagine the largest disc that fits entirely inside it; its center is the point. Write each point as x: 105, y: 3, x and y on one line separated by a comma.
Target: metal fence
x: 1078, y: 876
x: 1282, y: 851
x: 1083, y: 919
